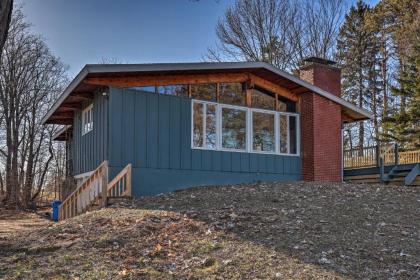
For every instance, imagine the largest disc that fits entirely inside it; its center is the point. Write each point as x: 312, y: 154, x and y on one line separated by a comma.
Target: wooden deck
x: 382, y: 164
x: 370, y: 156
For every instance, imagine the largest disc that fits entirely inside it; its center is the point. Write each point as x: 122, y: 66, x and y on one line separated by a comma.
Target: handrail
x: 409, y: 157
x: 373, y: 156
x: 90, y: 190
x: 121, y: 184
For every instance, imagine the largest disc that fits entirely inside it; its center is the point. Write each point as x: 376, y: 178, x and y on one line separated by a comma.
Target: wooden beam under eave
x: 277, y: 89
x: 61, y: 115
x: 60, y: 121
x: 83, y: 95
x: 345, y: 118
x: 300, y: 90
x: 156, y: 80
x: 71, y: 106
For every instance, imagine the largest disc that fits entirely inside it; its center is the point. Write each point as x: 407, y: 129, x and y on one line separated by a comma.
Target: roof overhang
x: 64, y: 134
x: 76, y: 87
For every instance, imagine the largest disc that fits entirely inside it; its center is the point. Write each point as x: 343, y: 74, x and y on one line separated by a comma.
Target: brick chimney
x: 321, y: 122
x: 322, y: 73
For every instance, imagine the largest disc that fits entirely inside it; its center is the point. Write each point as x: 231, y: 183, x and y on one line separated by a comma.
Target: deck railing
x: 90, y: 190
x: 121, y: 184
x: 372, y: 155
x: 409, y: 157
x: 96, y: 189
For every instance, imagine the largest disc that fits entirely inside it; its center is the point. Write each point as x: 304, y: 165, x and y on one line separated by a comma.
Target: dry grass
x: 253, y: 231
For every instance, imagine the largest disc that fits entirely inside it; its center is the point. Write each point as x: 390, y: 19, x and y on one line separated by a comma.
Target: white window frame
x: 204, y: 124
x: 234, y: 107
x: 249, y: 130
x: 251, y: 134
x: 87, y: 127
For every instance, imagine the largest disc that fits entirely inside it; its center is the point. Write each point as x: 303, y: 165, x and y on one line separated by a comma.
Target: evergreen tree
x: 403, y: 17
x: 356, y: 47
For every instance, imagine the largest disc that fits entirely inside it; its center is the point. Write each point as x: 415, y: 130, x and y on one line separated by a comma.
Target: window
x: 233, y: 93
x: 177, y: 90
x: 263, y: 134
x: 204, y: 92
x: 285, y: 105
x: 226, y: 127
x: 263, y: 99
x: 234, y: 123
x: 288, y: 135
x: 283, y: 134
x: 198, y: 125
x: 87, y: 119
x: 204, y: 125
x: 293, y: 134
x: 210, y: 126
x: 151, y: 89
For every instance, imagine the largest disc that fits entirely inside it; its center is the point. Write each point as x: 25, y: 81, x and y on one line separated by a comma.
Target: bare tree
x: 6, y: 7
x: 30, y: 77
x: 280, y: 32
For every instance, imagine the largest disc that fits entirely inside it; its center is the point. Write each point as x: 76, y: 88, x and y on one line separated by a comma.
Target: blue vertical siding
x: 153, y: 132
x: 90, y: 150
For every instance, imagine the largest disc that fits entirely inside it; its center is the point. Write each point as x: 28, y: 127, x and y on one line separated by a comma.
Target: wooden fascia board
x: 147, y: 80
x: 156, y: 80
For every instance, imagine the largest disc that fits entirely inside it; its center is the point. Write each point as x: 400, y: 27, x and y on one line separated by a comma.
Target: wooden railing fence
x: 373, y: 156
x: 95, y: 189
x: 121, y: 184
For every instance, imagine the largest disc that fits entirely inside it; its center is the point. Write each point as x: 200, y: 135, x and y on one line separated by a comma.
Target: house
x: 190, y: 124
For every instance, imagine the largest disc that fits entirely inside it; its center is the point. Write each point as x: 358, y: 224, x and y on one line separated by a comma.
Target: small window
x: 263, y: 99
x: 87, y: 119
x: 263, y: 134
x: 150, y: 89
x: 204, y: 92
x: 288, y: 126
x: 233, y: 93
x: 285, y: 105
x: 177, y: 90
x: 281, y: 105
x: 234, y: 128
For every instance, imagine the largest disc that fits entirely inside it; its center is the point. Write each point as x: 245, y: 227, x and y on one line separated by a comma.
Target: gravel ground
x: 248, y: 231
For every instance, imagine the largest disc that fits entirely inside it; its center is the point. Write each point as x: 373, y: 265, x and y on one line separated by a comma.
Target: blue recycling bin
x: 55, y: 205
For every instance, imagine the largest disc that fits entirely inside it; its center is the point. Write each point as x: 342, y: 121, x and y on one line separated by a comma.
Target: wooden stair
x: 95, y: 192
x: 404, y: 174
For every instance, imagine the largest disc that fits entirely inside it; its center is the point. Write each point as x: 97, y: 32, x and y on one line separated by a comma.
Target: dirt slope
x: 257, y: 231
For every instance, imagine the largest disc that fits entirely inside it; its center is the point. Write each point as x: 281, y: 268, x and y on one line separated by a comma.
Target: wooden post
x: 378, y: 155
x: 396, y: 153
x: 128, y: 182
x: 381, y: 170
x: 104, y: 184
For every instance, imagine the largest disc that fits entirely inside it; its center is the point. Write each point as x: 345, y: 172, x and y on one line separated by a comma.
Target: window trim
x: 220, y: 135
x: 87, y: 109
x: 249, y: 132
x: 204, y: 112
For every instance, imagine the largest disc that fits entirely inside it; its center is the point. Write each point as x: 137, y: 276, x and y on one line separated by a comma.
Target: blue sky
x: 143, y: 31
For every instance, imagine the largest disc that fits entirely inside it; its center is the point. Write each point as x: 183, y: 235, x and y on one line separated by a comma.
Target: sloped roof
x: 260, y: 68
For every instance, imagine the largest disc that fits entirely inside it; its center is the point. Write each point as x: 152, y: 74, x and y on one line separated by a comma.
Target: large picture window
x: 263, y: 134
x: 234, y: 122
x: 226, y: 127
x: 87, y: 119
x: 204, y: 125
